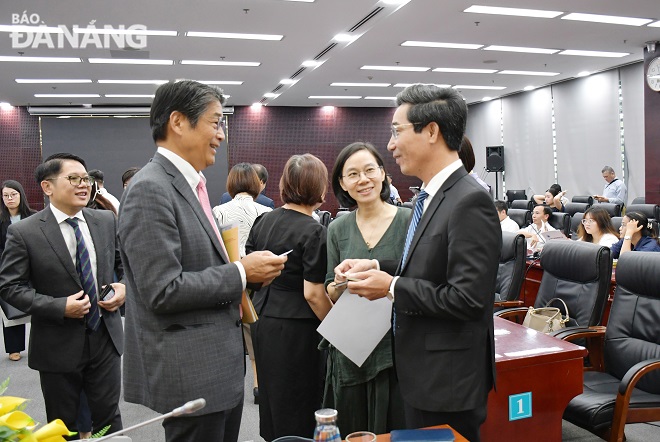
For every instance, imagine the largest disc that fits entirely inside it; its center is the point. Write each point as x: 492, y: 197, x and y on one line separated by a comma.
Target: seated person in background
x: 395, y: 198
x: 636, y: 235
x: 549, y: 197
x: 615, y: 190
x: 466, y: 154
x: 507, y: 224
x: 540, y: 216
x: 597, y: 227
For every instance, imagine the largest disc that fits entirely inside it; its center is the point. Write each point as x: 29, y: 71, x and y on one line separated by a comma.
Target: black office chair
x: 583, y: 199
x: 576, y: 220
x: 573, y: 208
x: 522, y: 217
x: 324, y: 217
x: 522, y: 204
x: 579, y: 274
x: 616, y: 222
x: 628, y: 388
x: 639, y: 200
x: 612, y: 209
x: 511, y: 270
x: 648, y: 210
x: 562, y: 222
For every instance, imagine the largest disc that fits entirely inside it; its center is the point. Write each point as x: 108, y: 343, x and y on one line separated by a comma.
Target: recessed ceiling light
x: 312, y: 63
x: 538, y: 73
x: 67, y: 95
x: 432, y: 84
x: 5, y: 106
x: 396, y: 68
x: 610, y: 19
x: 335, y: 97
x: 345, y: 38
x: 361, y: 84
x: 133, y: 81
x: 256, y: 105
x: 103, y: 31
x: 41, y: 59
x: 327, y: 108
x: 584, y: 74
x: 529, y: 88
x: 271, y: 95
x: 221, y: 63
x: 489, y: 88
x: 288, y: 81
x: 655, y: 25
x: 380, y: 98
x: 521, y: 49
x: 31, y: 29
x: 129, y: 61
x: 51, y: 81
x: 268, y: 37
x: 435, y: 44
x: 594, y: 53
x: 301, y: 1
x: 64, y: 116
x: 220, y: 82
x: 539, y: 13
x: 128, y: 95
x: 466, y: 71
x: 486, y: 98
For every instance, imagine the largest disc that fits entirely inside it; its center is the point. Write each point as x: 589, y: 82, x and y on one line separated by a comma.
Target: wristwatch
x: 627, y: 238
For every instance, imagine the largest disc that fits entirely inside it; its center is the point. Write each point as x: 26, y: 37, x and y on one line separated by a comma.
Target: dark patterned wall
x: 270, y: 135
x: 20, y: 151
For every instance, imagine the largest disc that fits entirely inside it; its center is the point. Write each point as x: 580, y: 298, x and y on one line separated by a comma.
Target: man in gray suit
x: 53, y: 263
x: 183, y: 326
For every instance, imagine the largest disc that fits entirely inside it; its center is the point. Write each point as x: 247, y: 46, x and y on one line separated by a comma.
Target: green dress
x: 367, y: 397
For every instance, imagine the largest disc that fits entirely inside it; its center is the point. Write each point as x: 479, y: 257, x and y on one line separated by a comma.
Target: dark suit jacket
x: 183, y: 331
x: 261, y: 199
x: 37, y: 275
x: 444, y: 347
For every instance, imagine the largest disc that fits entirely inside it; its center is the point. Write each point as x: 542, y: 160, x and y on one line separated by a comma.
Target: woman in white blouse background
x: 540, y: 216
x: 597, y: 227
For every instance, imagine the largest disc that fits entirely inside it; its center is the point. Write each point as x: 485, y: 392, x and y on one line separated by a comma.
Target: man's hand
x: 77, y: 308
x: 262, y: 266
x: 373, y: 284
x: 116, y: 301
x: 601, y: 199
x: 351, y: 266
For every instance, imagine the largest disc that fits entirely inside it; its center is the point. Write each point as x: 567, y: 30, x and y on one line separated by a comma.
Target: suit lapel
x: 51, y: 231
x: 183, y: 188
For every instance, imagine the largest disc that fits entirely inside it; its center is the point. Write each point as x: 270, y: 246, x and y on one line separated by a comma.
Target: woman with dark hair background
x: 597, y: 228
x: 366, y: 397
x: 14, y: 208
x: 636, y: 235
x: 466, y: 154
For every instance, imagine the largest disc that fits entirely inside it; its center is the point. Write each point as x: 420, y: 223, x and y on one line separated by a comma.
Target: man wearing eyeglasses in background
x: 55, y: 266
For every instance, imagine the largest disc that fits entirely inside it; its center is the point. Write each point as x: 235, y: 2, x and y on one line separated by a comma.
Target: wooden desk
x: 532, y: 282
x: 457, y: 436
x: 552, y: 373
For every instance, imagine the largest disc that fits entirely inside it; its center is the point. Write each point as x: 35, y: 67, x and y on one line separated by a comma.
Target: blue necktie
x: 417, y: 215
x: 84, y: 269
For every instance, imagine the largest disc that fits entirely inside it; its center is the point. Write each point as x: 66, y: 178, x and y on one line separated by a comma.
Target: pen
x: 285, y: 253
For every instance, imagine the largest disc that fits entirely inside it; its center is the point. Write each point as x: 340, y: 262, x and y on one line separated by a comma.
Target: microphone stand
x: 187, y: 408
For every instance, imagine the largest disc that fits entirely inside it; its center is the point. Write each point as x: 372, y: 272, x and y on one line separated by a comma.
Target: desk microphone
x: 187, y: 408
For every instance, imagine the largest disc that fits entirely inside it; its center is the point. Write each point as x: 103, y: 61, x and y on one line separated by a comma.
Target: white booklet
x: 356, y: 325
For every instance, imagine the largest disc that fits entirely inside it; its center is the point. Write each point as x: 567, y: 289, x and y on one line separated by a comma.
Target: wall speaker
x: 495, y: 158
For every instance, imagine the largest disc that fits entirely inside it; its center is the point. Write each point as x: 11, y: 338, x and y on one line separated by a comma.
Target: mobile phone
x: 107, y: 293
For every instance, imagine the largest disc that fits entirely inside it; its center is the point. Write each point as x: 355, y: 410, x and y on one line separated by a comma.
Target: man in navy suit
x: 261, y: 198
x: 444, y: 289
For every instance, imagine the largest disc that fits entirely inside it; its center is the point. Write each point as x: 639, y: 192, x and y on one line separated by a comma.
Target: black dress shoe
x: 255, y: 392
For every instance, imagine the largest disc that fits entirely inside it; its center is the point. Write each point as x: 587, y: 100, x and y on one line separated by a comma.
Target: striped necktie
x: 417, y: 215
x: 84, y: 269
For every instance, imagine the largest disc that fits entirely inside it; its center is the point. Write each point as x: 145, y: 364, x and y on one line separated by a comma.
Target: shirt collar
x: 189, y: 173
x: 61, y: 216
x: 439, y: 179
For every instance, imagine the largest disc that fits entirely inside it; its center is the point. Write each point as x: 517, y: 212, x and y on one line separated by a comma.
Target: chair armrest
x: 578, y: 332
x: 595, y: 343
x: 509, y: 304
x: 513, y: 314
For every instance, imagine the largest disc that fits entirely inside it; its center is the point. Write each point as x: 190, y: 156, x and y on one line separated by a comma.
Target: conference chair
x: 521, y: 216
x: 612, y: 209
x: 616, y: 222
x: 579, y: 274
x: 576, y: 220
x: 292, y: 439
x: 515, y: 195
x: 342, y: 212
x: 562, y: 222
x: 583, y: 199
x: 639, y: 200
x: 648, y: 210
x: 522, y: 204
x: 324, y: 217
x: 573, y: 208
x: 627, y: 389
x: 511, y: 270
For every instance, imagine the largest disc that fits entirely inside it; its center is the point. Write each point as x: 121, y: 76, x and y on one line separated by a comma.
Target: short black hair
x: 191, y: 98
x: 53, y: 165
x: 345, y: 200
x: 261, y: 172
x: 444, y: 106
x: 128, y: 174
x: 96, y: 174
x: 501, y: 205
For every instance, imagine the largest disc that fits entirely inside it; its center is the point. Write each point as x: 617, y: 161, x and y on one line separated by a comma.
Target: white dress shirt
x: 509, y: 225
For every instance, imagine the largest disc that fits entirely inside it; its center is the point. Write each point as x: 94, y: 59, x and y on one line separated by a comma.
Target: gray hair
x: 607, y: 169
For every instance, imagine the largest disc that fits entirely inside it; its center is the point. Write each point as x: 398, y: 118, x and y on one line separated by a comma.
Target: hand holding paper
x: 230, y: 238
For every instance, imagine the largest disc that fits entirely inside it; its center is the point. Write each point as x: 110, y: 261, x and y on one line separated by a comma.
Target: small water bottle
x: 326, y: 426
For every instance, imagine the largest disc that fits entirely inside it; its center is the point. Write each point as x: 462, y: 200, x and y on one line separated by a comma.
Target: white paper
x: 356, y: 325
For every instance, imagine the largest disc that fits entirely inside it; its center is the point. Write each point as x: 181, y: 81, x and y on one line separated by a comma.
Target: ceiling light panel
x: 221, y: 63
x: 594, y: 53
x: 437, y: 44
x: 521, y: 49
x: 128, y: 95
x: 655, y: 25
x: 112, y: 31
x: 221, y: 82
x: 52, y: 81
x: 130, y: 61
x: 609, y: 19
x: 538, y: 13
x: 475, y: 87
x: 538, y: 73
x: 361, y: 84
x: 41, y: 59
x: 380, y: 98
x: 433, y: 84
x: 466, y: 71
x: 335, y: 97
x: 133, y: 81
x: 234, y: 35
x: 396, y: 68
x: 67, y: 95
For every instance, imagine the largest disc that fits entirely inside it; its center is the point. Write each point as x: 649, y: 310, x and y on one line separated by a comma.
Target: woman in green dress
x: 366, y: 397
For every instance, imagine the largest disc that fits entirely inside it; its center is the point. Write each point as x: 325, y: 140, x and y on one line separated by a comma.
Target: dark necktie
x: 417, y: 215
x: 84, y: 269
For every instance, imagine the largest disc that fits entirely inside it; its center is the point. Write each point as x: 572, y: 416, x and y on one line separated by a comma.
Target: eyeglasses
x: 395, y: 129
x: 10, y: 196
x: 75, y: 180
x: 588, y: 221
x: 354, y: 177
x: 222, y: 124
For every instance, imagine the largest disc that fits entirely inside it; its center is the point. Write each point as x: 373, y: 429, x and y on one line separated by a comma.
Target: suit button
x: 238, y: 323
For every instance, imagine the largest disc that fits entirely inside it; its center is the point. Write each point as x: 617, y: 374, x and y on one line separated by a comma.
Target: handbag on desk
x: 546, y: 319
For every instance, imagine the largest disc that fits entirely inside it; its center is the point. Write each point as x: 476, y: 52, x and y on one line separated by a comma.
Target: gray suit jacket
x: 183, y: 333
x: 38, y: 274
x: 444, y: 347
